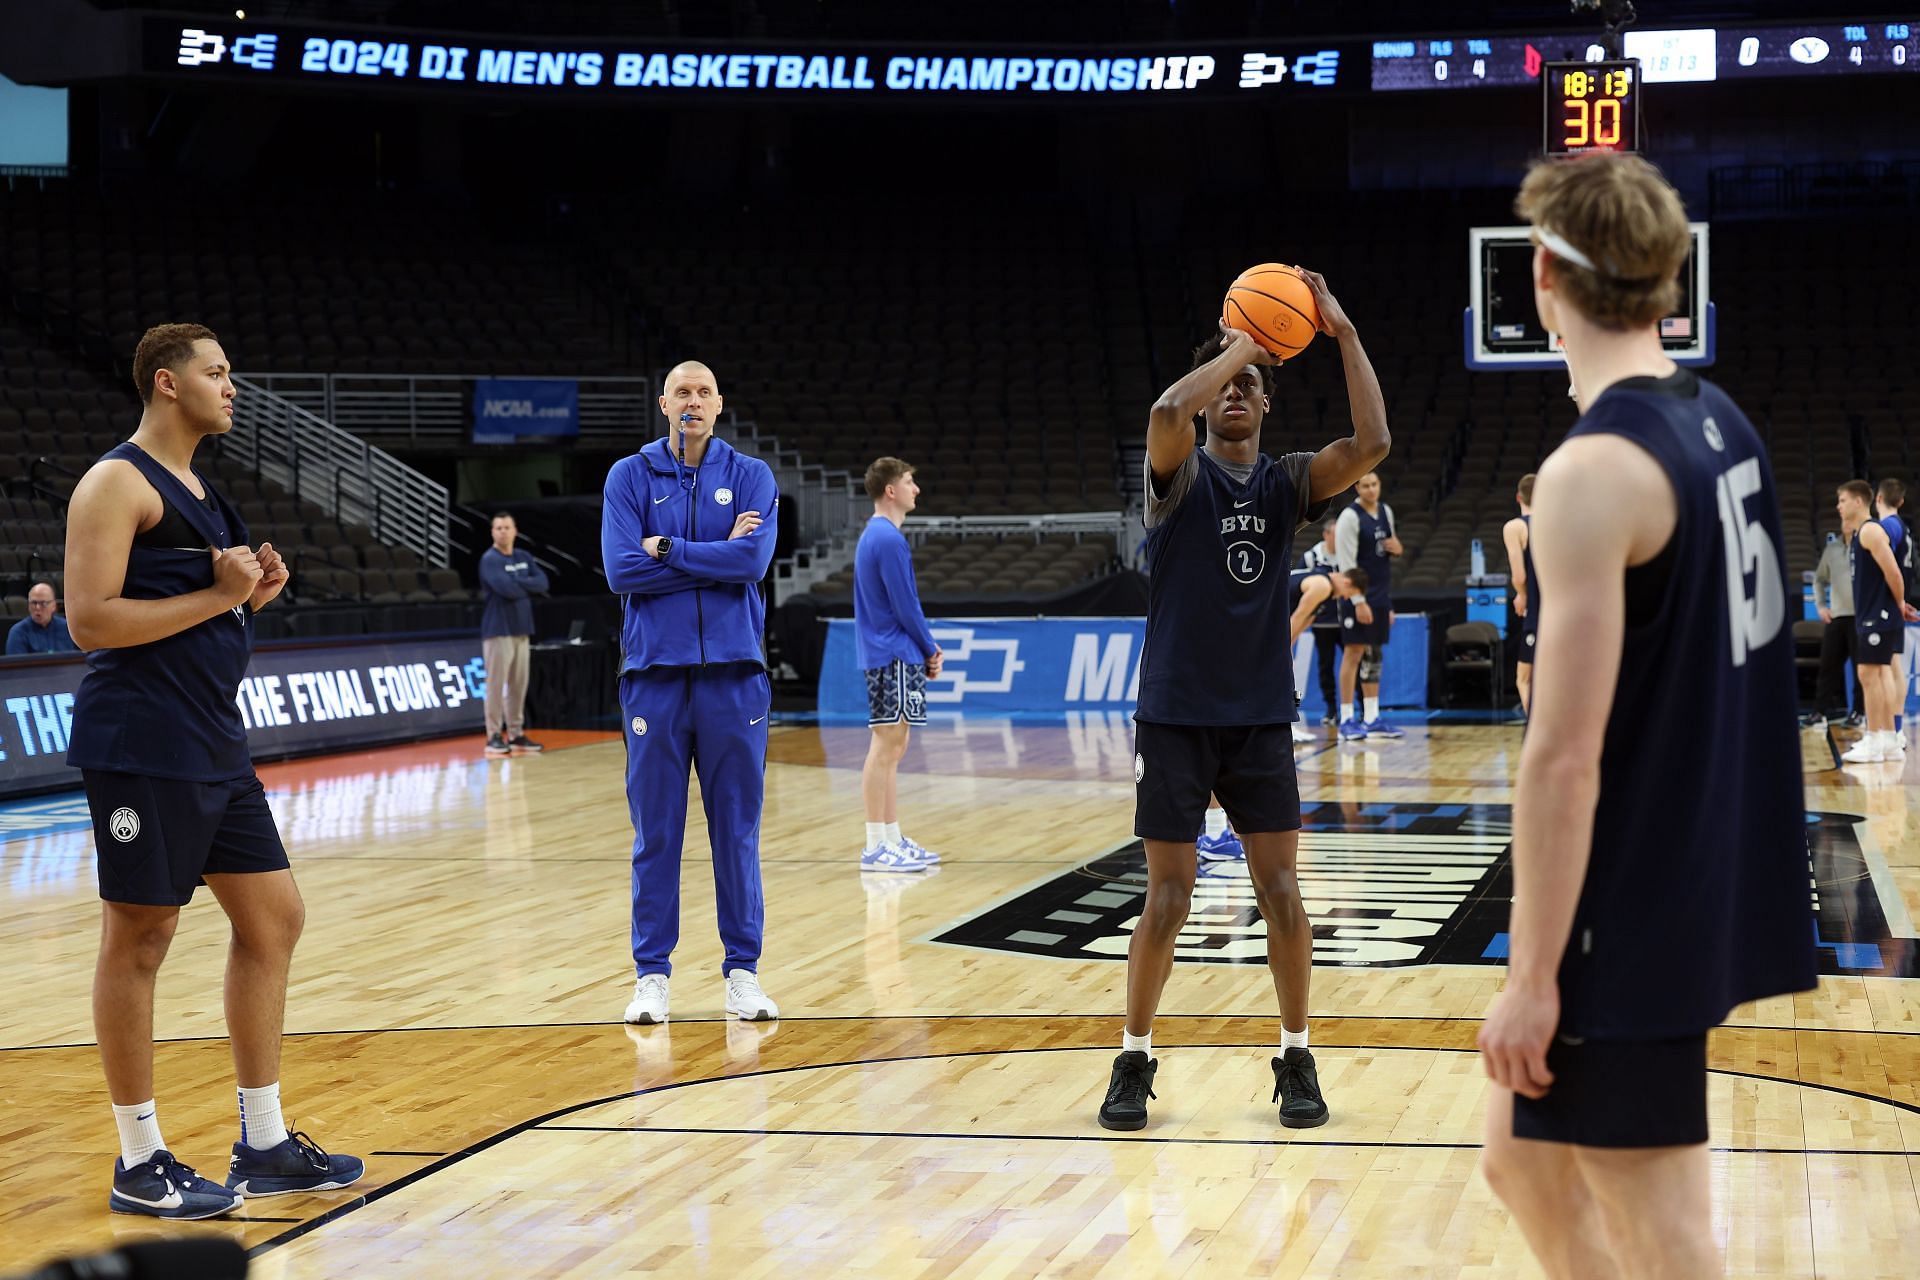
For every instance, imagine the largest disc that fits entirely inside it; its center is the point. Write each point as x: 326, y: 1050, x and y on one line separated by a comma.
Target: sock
x: 1373, y: 708
x: 876, y: 833
x: 1292, y: 1039
x: 1130, y: 1043
x: 139, y: 1127
x: 1346, y: 712
x: 1216, y: 823
x: 260, y: 1123
x: 893, y: 835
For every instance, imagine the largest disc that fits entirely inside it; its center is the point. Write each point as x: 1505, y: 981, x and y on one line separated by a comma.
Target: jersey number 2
x: 1753, y: 620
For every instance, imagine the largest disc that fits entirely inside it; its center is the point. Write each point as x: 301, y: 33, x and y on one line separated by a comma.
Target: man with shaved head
x: 687, y: 533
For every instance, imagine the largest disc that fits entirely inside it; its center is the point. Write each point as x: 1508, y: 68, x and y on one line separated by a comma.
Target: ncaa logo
x: 124, y: 824
x: 723, y: 496
x: 1712, y: 430
x: 639, y: 727
x: 1871, y: 639
x: 1139, y: 767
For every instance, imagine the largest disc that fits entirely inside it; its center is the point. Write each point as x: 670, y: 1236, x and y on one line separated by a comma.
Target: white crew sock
x: 260, y: 1123
x: 1216, y: 823
x: 1130, y: 1043
x: 1373, y: 708
x: 876, y: 834
x: 1292, y: 1039
x: 1346, y: 712
x: 892, y: 830
x: 139, y: 1127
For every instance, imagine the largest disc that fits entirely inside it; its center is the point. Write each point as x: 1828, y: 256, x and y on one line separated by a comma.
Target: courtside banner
x: 1044, y: 666
x: 506, y: 409
x: 292, y: 701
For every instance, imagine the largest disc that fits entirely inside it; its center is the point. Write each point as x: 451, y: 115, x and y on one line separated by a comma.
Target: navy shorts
x: 1877, y: 646
x: 154, y: 838
x: 1249, y: 767
x: 1607, y: 1093
x: 1353, y: 631
x: 897, y: 692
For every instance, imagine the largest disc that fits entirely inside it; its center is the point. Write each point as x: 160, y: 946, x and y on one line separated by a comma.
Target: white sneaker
x: 649, y: 1003
x: 1303, y: 734
x: 919, y: 851
x: 1865, y: 751
x: 745, y: 999
x: 1893, y: 745
x: 890, y: 858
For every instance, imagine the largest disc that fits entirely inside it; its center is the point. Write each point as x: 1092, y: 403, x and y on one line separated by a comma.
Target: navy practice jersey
x: 167, y: 709
x: 1873, y: 604
x: 1531, y: 623
x: 1696, y: 896
x: 1218, y: 550
x: 1373, y: 558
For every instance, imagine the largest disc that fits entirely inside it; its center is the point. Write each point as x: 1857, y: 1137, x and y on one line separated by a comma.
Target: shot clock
x: 1592, y: 106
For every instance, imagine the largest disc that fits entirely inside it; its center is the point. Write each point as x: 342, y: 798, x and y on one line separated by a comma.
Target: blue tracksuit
x: 694, y: 690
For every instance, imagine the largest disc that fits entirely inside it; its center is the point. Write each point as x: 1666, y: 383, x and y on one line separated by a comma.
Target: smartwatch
x: 666, y: 546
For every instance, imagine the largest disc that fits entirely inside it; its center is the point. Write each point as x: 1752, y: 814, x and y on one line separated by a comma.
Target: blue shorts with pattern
x: 897, y: 692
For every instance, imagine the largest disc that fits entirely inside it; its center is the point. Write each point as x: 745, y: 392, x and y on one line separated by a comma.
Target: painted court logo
x: 1397, y: 885
x: 124, y: 824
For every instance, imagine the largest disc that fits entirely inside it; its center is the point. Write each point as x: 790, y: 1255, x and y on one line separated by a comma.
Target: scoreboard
x: 1591, y: 106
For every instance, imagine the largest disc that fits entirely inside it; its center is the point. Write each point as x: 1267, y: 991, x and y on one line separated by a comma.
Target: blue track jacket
x: 702, y: 604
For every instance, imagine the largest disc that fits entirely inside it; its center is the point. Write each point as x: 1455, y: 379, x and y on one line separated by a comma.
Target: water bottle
x: 1479, y: 561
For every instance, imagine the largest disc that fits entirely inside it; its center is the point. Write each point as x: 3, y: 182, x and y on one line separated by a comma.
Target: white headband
x: 1558, y: 246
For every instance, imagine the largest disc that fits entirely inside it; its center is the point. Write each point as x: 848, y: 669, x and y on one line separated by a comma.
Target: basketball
x: 1273, y: 304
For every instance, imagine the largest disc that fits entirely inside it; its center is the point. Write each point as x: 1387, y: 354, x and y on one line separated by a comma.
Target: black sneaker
x: 522, y: 745
x: 497, y: 746
x: 1296, y: 1087
x: 1813, y: 720
x: 1128, y: 1091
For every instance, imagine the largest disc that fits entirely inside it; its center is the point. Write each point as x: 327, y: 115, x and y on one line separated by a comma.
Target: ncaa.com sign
x: 506, y: 409
x: 1005, y: 666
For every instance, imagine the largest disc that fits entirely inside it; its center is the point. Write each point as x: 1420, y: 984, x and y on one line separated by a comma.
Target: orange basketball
x: 1273, y: 305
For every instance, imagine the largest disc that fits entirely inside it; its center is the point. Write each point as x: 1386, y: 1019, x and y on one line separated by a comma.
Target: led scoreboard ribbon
x: 461, y: 63
x: 1591, y: 106
x: 1665, y: 56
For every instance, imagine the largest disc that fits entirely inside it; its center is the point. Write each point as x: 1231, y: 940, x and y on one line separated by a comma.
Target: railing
x: 815, y: 564
x: 437, y: 408
x: 315, y: 460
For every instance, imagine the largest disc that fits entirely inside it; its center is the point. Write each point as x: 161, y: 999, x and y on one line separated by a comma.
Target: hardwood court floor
x: 926, y: 1106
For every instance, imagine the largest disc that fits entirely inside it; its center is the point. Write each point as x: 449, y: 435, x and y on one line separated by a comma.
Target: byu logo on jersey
x: 723, y: 496
x: 124, y: 824
x: 1246, y: 560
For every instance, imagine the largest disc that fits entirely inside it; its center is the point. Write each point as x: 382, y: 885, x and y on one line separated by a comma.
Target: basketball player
x: 1654, y: 886
x: 1879, y: 608
x: 1214, y: 706
x: 1526, y: 588
x: 161, y: 592
x: 1364, y: 539
x: 1890, y: 506
x: 897, y: 653
x: 686, y: 535
x: 1326, y: 624
x: 1315, y: 590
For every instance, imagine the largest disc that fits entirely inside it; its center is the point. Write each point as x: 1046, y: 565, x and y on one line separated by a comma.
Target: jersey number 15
x: 1754, y: 620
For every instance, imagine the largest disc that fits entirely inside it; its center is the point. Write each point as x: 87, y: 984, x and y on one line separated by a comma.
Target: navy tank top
x: 1372, y: 555
x: 1695, y: 898
x: 1531, y: 623
x: 1873, y: 606
x: 167, y: 709
x: 1218, y: 649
